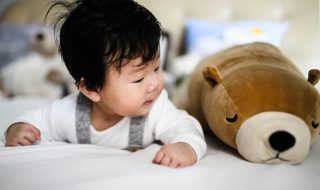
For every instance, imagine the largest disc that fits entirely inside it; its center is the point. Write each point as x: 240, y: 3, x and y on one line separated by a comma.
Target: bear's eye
x: 314, y: 124
x: 232, y: 119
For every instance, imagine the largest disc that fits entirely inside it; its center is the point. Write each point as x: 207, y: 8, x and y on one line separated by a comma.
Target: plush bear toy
x: 30, y: 64
x: 256, y: 101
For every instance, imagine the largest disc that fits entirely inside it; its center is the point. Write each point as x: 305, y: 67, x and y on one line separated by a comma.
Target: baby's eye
x: 157, y: 69
x: 137, y: 81
x: 232, y: 119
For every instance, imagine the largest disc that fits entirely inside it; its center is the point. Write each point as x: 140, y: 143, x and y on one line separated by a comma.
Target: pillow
x: 205, y: 37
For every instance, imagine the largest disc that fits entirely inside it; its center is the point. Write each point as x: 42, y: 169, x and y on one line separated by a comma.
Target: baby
x: 111, y: 49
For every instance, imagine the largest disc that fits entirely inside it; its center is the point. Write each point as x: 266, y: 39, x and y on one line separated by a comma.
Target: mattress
x: 62, y: 166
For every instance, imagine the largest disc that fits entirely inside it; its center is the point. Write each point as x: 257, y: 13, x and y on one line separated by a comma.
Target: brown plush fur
x: 245, y: 80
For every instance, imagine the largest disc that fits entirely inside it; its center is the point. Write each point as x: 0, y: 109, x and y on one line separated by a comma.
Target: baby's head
x: 98, y: 34
x: 100, y: 39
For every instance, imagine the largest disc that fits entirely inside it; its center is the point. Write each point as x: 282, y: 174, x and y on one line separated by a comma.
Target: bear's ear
x: 212, y: 75
x: 314, y: 76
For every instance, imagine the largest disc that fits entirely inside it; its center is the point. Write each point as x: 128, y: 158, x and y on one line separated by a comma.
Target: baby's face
x: 132, y: 91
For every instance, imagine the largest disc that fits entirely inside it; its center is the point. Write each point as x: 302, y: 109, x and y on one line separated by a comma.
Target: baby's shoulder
x: 66, y: 104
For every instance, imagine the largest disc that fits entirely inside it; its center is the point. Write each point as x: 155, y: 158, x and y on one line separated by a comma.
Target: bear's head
x: 255, y: 100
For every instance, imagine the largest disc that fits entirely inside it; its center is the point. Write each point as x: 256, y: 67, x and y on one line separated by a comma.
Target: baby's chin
x: 144, y: 109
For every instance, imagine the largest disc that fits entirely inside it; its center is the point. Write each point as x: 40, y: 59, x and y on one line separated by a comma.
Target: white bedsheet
x: 66, y: 166
x: 89, y: 167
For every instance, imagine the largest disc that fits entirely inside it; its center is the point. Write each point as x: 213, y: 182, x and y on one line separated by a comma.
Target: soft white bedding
x: 66, y: 166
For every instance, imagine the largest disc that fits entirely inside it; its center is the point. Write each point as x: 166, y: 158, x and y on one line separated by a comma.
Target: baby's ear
x: 212, y: 75
x: 91, y: 94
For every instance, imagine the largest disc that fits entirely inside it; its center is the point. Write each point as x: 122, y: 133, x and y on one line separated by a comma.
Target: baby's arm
x: 25, y: 129
x: 21, y: 134
x: 181, y: 133
x: 175, y: 155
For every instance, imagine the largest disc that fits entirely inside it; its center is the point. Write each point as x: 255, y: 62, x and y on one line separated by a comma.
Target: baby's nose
x: 154, y: 83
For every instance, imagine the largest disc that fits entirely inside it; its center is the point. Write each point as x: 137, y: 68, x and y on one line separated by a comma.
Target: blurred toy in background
x: 30, y: 64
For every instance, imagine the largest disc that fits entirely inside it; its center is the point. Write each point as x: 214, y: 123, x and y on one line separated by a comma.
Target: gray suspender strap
x: 83, y: 119
x: 83, y: 123
x: 136, y: 133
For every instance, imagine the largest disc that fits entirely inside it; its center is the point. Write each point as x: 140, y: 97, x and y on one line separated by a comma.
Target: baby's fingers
x: 166, y: 160
x: 30, y: 137
x: 25, y: 142
x: 174, y: 164
x: 158, y: 157
x: 35, y: 132
x: 17, y: 142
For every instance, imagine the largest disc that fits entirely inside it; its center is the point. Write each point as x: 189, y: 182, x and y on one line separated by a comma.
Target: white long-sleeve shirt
x: 164, y: 122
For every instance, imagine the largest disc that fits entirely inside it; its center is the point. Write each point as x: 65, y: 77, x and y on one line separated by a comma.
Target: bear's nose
x: 281, y: 141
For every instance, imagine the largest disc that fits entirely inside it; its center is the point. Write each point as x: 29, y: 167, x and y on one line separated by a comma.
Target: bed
x: 61, y: 166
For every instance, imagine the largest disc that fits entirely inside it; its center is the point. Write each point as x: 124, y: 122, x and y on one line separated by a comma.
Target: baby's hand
x: 21, y: 134
x: 175, y: 155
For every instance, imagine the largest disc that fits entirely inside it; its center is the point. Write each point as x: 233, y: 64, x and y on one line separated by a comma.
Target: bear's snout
x: 281, y: 141
x: 273, y: 137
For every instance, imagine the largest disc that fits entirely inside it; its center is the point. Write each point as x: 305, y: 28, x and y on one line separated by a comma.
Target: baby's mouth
x: 147, y: 103
x: 150, y: 101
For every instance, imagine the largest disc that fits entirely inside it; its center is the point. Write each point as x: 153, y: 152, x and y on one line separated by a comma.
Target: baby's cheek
x: 161, y: 81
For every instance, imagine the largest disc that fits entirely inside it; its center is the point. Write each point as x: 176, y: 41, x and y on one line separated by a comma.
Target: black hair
x: 96, y: 34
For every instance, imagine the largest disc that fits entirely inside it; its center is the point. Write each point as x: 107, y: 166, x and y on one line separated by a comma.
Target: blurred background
x: 30, y: 65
